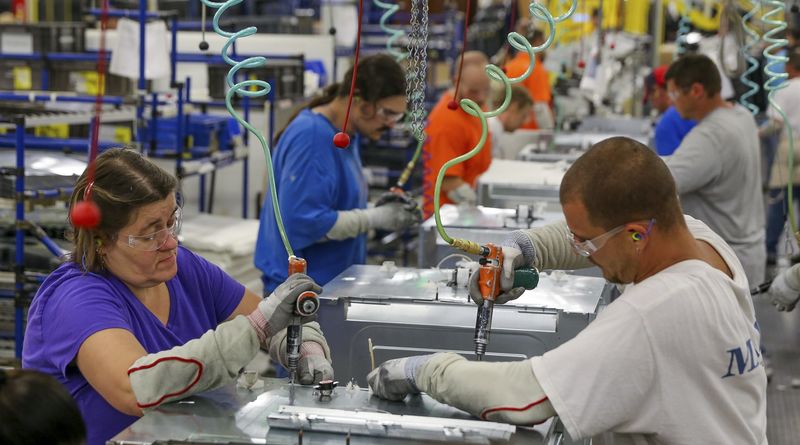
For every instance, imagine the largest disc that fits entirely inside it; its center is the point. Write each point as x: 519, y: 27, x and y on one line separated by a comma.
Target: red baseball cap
x: 659, y: 75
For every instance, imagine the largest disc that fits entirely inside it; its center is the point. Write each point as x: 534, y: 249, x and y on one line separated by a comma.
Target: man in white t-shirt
x: 673, y: 360
x: 717, y: 166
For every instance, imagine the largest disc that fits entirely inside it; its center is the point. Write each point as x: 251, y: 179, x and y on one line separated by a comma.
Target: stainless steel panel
x: 509, y: 183
x: 413, y: 311
x: 480, y: 224
x: 237, y: 415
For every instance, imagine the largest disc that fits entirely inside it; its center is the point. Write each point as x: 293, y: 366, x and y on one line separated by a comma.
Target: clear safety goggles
x: 589, y: 247
x: 156, y: 240
x: 390, y: 116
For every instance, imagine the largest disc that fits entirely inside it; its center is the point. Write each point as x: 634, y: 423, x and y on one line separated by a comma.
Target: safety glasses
x: 390, y: 116
x: 156, y: 240
x: 590, y: 247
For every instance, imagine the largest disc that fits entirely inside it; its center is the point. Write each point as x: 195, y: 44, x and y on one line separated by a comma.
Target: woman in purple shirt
x: 133, y: 320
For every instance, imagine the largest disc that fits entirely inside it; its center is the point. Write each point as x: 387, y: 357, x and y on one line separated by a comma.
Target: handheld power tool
x: 489, y: 281
x: 306, y: 306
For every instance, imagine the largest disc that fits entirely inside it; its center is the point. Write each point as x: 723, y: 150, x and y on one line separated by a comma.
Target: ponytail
x: 329, y: 93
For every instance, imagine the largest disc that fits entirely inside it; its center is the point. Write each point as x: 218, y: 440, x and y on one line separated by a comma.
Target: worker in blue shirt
x: 671, y: 127
x: 321, y: 188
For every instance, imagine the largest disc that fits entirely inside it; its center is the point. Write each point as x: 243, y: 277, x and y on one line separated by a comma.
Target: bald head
x: 620, y: 180
x: 474, y: 80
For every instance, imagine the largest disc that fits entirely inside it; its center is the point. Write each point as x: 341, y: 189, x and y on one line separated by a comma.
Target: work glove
x: 393, y: 216
x: 395, y: 379
x: 315, y: 355
x: 784, y: 291
x: 513, y: 258
x: 405, y: 198
x: 275, y: 312
x: 463, y: 195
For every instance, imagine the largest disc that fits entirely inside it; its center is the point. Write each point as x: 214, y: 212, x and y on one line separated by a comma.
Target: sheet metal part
x: 389, y: 425
x: 231, y: 415
x: 408, y: 311
x: 481, y: 224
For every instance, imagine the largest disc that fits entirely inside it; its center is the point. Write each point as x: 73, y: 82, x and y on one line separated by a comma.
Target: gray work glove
x: 395, y: 379
x: 513, y: 258
x: 275, y: 312
x: 315, y: 355
x: 785, y: 290
x: 463, y: 195
x: 393, y: 216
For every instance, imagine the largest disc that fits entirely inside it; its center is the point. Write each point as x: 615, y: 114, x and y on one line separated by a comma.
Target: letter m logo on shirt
x: 743, y: 359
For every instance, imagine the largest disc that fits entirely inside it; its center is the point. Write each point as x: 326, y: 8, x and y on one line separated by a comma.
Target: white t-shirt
x: 717, y: 169
x: 674, y: 360
x: 788, y: 98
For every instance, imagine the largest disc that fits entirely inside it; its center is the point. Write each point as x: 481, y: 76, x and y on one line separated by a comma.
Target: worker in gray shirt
x: 717, y: 166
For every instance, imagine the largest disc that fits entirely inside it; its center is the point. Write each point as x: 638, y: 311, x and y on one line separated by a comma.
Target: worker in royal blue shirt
x: 671, y: 127
x: 321, y: 188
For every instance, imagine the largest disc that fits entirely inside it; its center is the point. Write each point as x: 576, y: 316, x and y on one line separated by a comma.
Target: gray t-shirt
x: 717, y: 169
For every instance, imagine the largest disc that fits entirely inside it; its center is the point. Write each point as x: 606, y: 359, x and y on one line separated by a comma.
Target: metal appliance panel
x: 238, y: 415
x: 413, y: 311
x: 509, y: 183
x: 480, y: 224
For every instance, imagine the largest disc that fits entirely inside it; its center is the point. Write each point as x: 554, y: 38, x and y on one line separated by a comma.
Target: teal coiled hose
x: 776, y: 81
x: 752, y: 64
x: 243, y: 88
x: 394, y: 33
x: 520, y: 43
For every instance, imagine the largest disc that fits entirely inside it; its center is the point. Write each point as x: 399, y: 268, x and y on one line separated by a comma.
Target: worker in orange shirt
x: 537, y: 83
x: 452, y: 133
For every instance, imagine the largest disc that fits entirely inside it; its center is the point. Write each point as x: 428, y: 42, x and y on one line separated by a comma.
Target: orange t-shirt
x: 452, y: 133
x: 537, y: 84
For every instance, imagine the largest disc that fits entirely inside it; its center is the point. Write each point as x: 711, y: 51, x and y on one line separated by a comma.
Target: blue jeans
x: 777, y: 212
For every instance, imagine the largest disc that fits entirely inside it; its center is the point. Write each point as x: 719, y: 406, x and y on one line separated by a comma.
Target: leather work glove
x: 463, y: 195
x: 512, y: 259
x: 313, y: 366
x: 393, y: 216
x: 395, y: 379
x: 275, y: 312
x: 784, y: 291
x: 315, y: 355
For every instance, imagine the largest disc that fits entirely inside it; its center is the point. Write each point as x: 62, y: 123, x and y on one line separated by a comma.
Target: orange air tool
x: 489, y: 282
x: 306, y: 306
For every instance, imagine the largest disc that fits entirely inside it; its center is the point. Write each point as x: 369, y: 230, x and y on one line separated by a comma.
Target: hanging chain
x: 417, y: 68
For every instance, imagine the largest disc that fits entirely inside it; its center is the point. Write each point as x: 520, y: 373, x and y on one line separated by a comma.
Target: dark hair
x: 620, y: 180
x: 36, y: 409
x: 695, y: 68
x: 379, y: 77
x: 519, y: 96
x: 124, y: 181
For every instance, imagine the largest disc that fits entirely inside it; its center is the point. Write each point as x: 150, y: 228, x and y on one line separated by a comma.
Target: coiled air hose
x: 775, y: 81
x: 752, y: 64
x: 248, y: 88
x: 473, y: 109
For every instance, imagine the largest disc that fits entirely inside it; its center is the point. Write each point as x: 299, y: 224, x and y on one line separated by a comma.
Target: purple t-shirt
x: 70, y: 306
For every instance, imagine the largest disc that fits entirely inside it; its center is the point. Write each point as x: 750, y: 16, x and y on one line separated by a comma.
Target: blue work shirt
x: 670, y: 130
x: 314, y: 180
